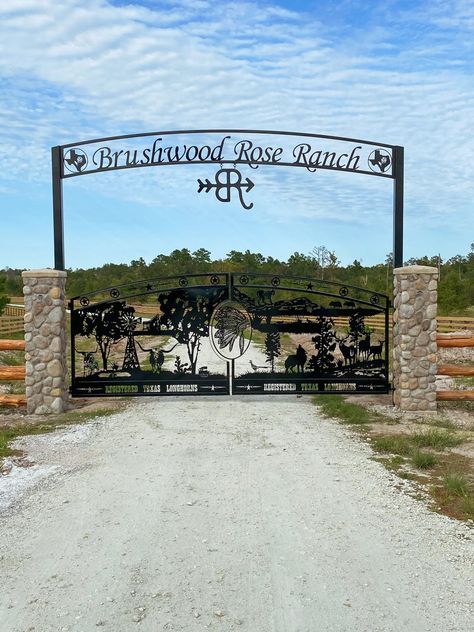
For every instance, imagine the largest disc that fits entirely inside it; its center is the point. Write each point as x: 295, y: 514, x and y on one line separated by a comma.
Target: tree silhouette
x: 356, y: 327
x: 325, y: 343
x: 272, y: 347
x: 107, y: 323
x: 186, y: 315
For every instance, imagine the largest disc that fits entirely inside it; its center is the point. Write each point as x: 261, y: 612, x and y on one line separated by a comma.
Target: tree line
x: 456, y: 287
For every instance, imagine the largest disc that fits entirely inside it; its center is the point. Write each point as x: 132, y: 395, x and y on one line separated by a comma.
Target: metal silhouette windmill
x: 129, y: 324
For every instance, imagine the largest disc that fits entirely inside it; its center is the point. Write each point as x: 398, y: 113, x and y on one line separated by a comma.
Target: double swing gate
x: 229, y: 333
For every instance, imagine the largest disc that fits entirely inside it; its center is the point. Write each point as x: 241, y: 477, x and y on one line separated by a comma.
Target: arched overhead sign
x: 225, y: 149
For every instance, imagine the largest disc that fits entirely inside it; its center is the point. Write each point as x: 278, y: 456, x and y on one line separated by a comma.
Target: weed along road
x: 193, y: 514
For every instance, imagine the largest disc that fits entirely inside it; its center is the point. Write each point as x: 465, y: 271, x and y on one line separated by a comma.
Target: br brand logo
x: 379, y: 161
x: 75, y: 160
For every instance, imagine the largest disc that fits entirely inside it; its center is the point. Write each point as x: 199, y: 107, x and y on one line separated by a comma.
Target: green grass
x: 12, y: 358
x: 336, y: 406
x: 423, y: 460
x: 467, y: 506
x: 392, y: 444
x: 436, y: 439
x: 441, y: 423
x: 10, y: 433
x: 456, y: 484
x: 452, y: 493
x: 465, y: 381
x: 17, y: 335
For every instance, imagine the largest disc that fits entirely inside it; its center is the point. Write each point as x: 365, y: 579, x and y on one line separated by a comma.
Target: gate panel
x: 149, y: 338
x: 311, y: 336
x: 216, y: 334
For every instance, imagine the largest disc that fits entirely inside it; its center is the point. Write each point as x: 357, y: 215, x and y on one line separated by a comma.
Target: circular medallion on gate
x: 230, y: 330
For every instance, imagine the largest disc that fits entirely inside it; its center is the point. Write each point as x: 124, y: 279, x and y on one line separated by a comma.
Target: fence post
x: 414, y: 338
x: 45, y: 341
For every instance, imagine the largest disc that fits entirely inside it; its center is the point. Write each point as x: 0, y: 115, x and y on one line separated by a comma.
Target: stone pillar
x: 45, y: 341
x: 414, y: 338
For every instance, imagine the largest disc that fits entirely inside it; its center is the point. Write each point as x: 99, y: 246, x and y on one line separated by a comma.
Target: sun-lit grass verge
x: 436, y: 439
x: 17, y: 335
x: 392, y: 444
x: 455, y: 495
x: 425, y: 456
x: 468, y: 382
x: 9, y: 433
x: 12, y: 358
x: 463, y: 406
x: 423, y: 460
x: 347, y: 412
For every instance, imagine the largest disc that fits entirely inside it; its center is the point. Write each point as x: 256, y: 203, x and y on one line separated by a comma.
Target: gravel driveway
x: 223, y: 514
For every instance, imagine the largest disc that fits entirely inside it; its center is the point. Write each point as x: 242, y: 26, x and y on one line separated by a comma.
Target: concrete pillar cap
x: 44, y: 274
x: 416, y: 270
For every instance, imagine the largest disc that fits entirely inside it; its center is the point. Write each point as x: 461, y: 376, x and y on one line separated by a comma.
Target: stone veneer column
x: 414, y: 338
x: 45, y: 341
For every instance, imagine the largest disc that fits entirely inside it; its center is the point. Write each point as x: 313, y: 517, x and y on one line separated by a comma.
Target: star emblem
x: 310, y: 286
x: 148, y: 287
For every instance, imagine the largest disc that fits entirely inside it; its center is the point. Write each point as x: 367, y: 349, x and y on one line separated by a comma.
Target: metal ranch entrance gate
x: 224, y: 333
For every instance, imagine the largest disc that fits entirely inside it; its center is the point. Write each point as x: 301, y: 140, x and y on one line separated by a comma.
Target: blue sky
x: 393, y: 71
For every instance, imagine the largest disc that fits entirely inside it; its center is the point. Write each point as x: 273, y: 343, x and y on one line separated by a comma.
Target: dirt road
x: 252, y: 515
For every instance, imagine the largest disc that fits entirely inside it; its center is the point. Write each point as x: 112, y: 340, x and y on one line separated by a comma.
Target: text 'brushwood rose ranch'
x: 241, y: 152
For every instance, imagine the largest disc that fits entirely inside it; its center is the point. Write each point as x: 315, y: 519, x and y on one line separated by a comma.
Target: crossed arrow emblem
x: 225, y: 181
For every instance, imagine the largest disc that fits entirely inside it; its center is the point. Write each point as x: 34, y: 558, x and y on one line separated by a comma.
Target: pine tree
x: 272, y: 347
x: 3, y: 299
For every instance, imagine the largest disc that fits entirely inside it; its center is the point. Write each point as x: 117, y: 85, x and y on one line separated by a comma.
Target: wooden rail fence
x: 11, y: 373
x: 455, y: 370
x: 10, y: 325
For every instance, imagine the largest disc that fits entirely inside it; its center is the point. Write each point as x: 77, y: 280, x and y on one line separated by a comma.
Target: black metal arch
x: 73, y: 155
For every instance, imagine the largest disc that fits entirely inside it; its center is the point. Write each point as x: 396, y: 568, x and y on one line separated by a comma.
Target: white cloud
x: 76, y: 69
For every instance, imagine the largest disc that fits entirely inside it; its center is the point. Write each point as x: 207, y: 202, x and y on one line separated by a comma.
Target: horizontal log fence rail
x: 459, y: 341
x: 12, y: 345
x: 12, y: 373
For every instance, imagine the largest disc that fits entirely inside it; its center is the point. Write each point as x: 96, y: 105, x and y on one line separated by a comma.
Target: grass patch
x: 392, y: 444
x: 465, y: 381
x: 423, y: 460
x: 396, y: 461
x: 10, y: 433
x: 442, y: 423
x: 436, y: 439
x: 456, y: 484
x: 336, y: 406
x: 447, y: 474
x: 467, y: 506
x: 17, y: 335
x: 455, y: 496
x: 12, y: 358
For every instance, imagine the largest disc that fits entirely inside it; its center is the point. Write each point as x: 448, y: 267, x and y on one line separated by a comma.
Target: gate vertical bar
x: 231, y: 364
x: 73, y: 347
x: 57, y: 208
x: 398, y: 183
x: 387, y: 343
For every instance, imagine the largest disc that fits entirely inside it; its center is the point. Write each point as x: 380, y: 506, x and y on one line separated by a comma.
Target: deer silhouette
x: 364, y: 346
x: 376, y: 350
x: 348, y: 353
